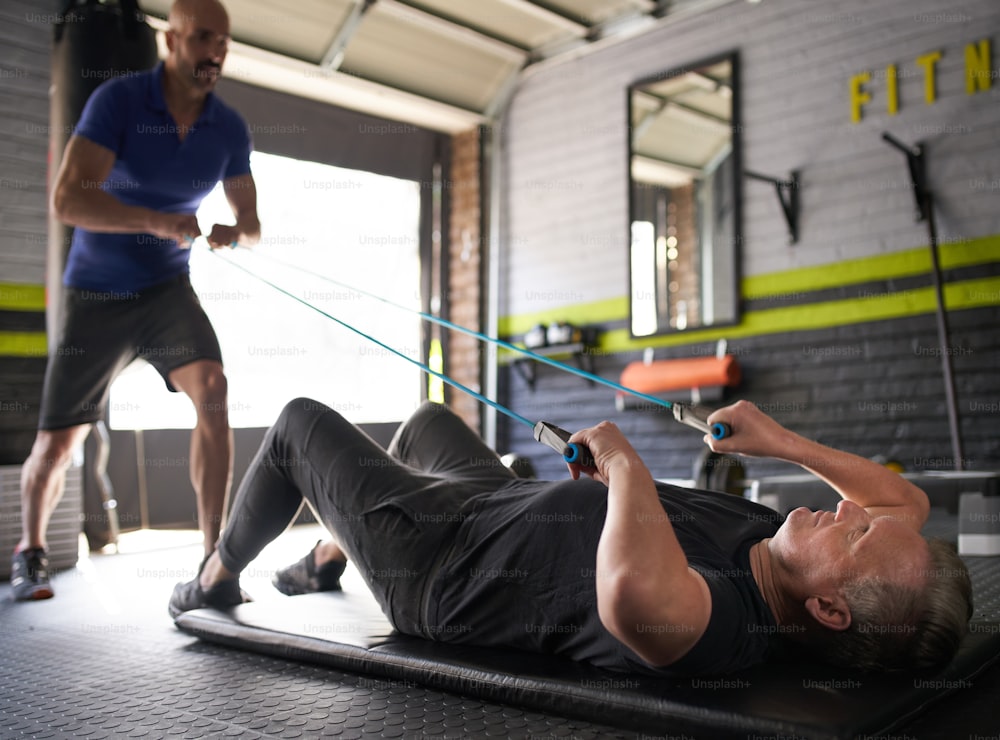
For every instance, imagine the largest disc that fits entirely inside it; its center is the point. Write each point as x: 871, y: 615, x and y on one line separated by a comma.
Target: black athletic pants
x: 394, y: 512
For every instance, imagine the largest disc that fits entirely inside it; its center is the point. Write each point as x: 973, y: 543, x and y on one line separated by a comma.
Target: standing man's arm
x: 876, y: 488
x: 647, y: 596
x: 241, y: 192
x: 78, y: 200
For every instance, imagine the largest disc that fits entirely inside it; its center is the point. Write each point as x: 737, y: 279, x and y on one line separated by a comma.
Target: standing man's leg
x: 180, y: 342
x: 93, y: 345
x: 43, y: 477
x: 211, y: 442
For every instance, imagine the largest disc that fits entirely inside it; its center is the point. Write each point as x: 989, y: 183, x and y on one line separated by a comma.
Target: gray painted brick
x: 24, y: 108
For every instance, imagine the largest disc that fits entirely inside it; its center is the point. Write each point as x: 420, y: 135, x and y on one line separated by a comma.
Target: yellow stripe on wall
x: 867, y: 269
x: 825, y: 315
x: 971, y: 252
x: 27, y: 298
x: 22, y: 297
x: 23, y: 344
x: 972, y: 293
x: 896, y: 304
x: 578, y: 314
x: 848, y: 272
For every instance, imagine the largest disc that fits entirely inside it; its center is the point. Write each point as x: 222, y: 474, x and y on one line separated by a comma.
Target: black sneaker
x: 303, y: 577
x: 29, y: 575
x: 190, y: 595
x: 246, y: 597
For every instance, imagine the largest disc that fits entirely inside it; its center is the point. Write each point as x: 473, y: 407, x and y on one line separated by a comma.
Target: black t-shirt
x: 522, y: 573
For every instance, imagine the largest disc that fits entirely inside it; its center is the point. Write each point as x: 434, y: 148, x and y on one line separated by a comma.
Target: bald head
x: 186, y: 12
x: 198, y: 41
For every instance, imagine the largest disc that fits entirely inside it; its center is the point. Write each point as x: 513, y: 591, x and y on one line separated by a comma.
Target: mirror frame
x: 736, y: 127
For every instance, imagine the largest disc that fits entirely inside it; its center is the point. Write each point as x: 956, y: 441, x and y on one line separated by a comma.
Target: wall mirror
x: 684, y: 199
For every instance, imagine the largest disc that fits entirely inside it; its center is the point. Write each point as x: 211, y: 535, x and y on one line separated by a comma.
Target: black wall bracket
x: 788, y: 195
x: 915, y: 161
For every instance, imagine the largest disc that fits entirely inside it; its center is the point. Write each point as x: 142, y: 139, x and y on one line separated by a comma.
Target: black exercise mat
x: 348, y: 632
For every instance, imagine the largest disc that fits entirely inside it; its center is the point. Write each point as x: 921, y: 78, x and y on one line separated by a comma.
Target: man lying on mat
x: 611, y: 568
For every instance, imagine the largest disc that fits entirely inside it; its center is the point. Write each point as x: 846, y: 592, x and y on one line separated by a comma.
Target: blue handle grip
x: 577, y: 453
x: 720, y: 430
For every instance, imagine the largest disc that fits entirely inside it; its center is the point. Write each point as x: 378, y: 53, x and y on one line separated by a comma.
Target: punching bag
x: 92, y: 42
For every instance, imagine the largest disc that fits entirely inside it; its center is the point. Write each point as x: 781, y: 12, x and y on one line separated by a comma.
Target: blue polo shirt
x: 153, y: 168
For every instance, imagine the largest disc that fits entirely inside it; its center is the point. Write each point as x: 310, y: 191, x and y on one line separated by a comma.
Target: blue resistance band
x: 422, y: 366
x: 465, y: 330
x: 717, y: 430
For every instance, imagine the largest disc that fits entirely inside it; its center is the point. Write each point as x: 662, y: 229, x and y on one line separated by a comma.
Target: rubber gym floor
x: 103, y: 660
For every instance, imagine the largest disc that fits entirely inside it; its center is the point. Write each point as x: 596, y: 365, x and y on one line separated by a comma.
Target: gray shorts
x: 102, y: 332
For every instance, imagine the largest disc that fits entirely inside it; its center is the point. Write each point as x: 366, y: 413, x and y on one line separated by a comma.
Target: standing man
x: 147, y: 149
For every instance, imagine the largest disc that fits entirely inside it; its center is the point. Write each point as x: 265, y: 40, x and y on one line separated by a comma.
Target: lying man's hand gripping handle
x: 643, y: 580
x: 879, y: 490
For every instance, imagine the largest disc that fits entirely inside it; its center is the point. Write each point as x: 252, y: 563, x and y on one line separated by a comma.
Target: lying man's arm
x: 647, y: 596
x: 880, y: 491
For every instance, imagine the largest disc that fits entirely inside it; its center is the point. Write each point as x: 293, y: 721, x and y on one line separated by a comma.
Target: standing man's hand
x: 223, y: 236
x: 182, y: 228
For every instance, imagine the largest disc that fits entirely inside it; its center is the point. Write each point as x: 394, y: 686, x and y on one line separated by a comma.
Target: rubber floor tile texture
x: 103, y: 660
x: 164, y: 687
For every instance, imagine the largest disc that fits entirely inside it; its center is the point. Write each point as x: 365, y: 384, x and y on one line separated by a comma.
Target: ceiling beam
x: 296, y: 77
x: 634, y: 8
x: 639, y: 15
x: 634, y: 18
x: 550, y: 15
x: 434, y: 22
x: 523, y: 7
x: 437, y: 23
x: 334, y: 54
x: 282, y: 73
x: 558, y: 12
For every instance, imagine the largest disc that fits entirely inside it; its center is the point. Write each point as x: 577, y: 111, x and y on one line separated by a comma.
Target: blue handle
x: 577, y: 453
x: 720, y: 430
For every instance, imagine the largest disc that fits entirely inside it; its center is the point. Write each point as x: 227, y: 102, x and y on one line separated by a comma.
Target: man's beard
x: 207, y: 72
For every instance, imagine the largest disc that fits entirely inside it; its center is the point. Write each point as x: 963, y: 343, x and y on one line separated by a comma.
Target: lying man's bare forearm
x: 879, y: 490
x: 872, y: 486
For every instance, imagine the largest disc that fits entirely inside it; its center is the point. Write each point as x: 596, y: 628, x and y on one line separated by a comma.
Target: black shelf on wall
x: 580, y: 346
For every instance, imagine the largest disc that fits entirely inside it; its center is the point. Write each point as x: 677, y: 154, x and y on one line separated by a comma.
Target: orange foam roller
x: 685, y: 373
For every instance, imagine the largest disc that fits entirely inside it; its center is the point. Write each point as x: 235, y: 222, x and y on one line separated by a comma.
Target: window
x: 358, y: 228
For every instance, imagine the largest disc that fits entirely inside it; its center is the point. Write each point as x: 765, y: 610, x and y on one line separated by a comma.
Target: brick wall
x: 463, y: 361
x: 683, y: 271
